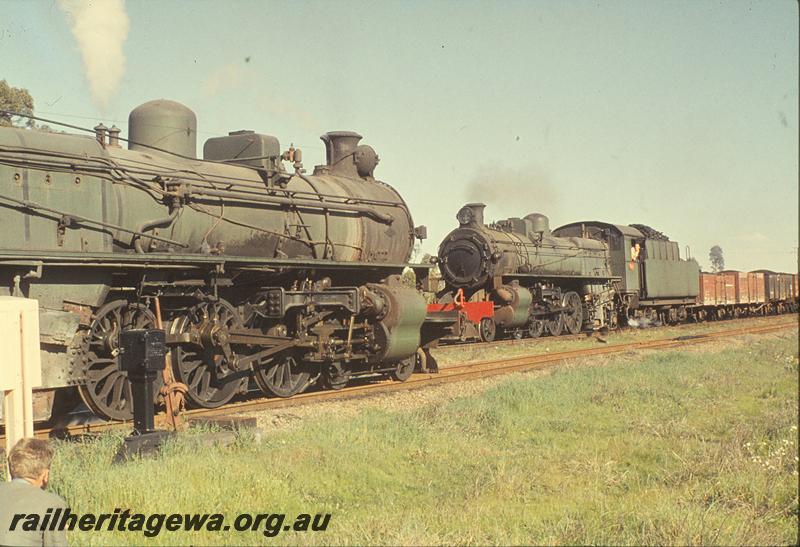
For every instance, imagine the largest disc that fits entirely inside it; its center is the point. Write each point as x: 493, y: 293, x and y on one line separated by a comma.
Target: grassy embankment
x: 668, y: 448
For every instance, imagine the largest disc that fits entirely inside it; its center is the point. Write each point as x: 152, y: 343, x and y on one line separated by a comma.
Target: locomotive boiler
x: 256, y: 271
x: 522, y: 279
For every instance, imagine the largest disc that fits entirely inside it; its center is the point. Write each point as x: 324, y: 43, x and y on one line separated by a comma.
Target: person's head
x: 636, y: 246
x: 30, y: 460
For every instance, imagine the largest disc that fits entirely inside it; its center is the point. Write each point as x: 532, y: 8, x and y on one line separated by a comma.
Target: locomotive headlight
x: 465, y: 216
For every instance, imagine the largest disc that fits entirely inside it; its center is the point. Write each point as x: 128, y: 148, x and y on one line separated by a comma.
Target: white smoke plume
x: 100, y: 27
x: 642, y: 323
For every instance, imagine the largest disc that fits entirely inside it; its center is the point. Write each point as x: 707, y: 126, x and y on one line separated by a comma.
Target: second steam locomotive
x: 516, y: 277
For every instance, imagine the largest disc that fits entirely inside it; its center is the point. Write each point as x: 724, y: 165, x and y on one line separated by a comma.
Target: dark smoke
x: 528, y: 189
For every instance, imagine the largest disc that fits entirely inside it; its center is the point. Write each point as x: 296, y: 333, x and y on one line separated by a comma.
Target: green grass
x: 667, y: 448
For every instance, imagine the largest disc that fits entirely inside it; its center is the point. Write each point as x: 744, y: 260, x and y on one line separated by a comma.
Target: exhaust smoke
x: 100, y: 29
x: 642, y: 323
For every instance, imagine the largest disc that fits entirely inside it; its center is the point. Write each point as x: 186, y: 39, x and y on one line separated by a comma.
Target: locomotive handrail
x: 26, y: 204
x: 305, y: 204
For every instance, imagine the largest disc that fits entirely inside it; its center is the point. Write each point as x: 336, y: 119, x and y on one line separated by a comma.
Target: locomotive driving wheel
x: 284, y: 376
x: 555, y: 324
x: 573, y: 312
x: 207, y: 366
x: 107, y: 391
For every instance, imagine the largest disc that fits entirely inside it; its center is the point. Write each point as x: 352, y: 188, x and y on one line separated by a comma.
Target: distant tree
x: 716, y: 258
x: 15, y: 99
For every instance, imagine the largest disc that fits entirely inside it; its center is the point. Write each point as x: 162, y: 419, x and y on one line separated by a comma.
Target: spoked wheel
x: 535, y: 328
x: 207, y: 368
x: 488, y: 329
x: 573, y: 312
x: 284, y: 376
x: 555, y: 325
x: 107, y: 391
x: 405, y: 368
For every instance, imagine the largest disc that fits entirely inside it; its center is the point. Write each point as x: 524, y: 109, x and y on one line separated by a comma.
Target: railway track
x: 451, y: 345
x: 469, y: 371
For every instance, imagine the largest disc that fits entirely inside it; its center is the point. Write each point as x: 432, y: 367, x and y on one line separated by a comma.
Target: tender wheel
x: 284, y: 376
x: 573, y: 313
x: 535, y: 328
x: 555, y: 325
x: 207, y: 366
x: 405, y: 368
x: 107, y: 391
x: 488, y: 329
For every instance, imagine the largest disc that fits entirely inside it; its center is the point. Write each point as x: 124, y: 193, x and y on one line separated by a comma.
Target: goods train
x: 265, y: 277
x: 258, y: 273
x: 516, y: 277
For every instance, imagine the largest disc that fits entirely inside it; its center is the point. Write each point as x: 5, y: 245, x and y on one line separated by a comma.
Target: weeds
x: 679, y: 448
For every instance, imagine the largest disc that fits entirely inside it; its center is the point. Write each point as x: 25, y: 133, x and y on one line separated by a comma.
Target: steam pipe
x: 146, y: 226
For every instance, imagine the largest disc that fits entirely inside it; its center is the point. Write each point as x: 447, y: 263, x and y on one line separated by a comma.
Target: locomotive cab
x: 659, y: 281
x: 619, y: 239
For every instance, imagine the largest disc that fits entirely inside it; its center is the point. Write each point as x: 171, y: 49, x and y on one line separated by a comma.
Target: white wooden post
x: 20, y: 366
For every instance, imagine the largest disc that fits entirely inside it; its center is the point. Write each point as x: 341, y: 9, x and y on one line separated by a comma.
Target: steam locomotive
x: 257, y: 272
x: 516, y: 277
x: 266, y: 277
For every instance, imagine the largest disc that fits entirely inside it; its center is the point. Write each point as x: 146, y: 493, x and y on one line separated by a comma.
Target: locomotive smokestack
x: 471, y: 214
x: 341, y: 147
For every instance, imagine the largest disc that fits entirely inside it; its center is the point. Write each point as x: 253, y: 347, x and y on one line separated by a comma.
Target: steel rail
x: 468, y: 371
x: 445, y: 345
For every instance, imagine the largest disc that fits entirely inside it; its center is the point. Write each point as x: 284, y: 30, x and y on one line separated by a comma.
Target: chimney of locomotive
x: 471, y: 214
x: 341, y: 148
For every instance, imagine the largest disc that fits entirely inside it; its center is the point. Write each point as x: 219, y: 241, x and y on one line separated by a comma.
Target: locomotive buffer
x: 142, y: 354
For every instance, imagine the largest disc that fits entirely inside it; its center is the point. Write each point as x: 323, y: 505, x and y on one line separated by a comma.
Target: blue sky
x: 680, y: 115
